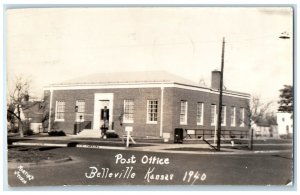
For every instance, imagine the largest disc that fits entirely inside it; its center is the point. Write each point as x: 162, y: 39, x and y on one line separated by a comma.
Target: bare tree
x: 256, y: 110
x: 16, y: 99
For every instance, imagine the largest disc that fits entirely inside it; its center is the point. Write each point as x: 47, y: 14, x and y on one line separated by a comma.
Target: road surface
x: 115, y: 167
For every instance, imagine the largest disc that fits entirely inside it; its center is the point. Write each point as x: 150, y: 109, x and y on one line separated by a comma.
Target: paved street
x: 131, y: 167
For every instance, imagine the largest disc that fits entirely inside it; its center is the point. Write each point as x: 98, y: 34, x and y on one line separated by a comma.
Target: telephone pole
x: 220, y: 98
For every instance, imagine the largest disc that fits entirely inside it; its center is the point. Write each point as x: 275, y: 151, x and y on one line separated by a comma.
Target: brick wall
x: 140, y: 97
x: 192, y: 97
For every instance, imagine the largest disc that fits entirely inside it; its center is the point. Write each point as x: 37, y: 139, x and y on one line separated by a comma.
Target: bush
x: 28, y: 132
x: 12, y: 128
x: 26, y: 128
x: 112, y: 135
x: 56, y: 133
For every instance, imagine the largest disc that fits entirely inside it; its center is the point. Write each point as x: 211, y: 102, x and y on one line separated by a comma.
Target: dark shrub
x: 72, y: 144
x: 26, y: 128
x: 28, y: 132
x: 57, y: 133
x: 112, y: 135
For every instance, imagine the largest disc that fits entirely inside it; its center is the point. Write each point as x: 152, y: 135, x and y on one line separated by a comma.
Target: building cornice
x: 143, y: 85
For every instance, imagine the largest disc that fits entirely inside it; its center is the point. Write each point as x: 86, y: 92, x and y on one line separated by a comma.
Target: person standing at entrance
x: 105, y: 119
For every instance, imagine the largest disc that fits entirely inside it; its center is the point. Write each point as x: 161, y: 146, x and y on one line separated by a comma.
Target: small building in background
x: 285, y: 124
x: 265, y: 130
x: 32, y: 114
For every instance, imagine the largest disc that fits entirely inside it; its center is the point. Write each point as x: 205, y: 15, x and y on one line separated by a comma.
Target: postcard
x: 150, y: 96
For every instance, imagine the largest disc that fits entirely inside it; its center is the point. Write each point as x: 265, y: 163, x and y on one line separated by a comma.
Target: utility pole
x: 220, y: 98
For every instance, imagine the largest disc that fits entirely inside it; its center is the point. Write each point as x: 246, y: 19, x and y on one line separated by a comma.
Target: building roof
x: 130, y: 77
x: 265, y: 123
x: 146, y: 77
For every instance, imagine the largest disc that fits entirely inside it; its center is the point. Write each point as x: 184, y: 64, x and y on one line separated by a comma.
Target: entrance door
x: 103, y: 110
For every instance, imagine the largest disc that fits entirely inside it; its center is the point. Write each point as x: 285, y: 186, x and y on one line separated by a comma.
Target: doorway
x: 103, y: 110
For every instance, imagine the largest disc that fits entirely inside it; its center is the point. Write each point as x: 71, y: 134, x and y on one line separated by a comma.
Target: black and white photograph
x: 149, y: 96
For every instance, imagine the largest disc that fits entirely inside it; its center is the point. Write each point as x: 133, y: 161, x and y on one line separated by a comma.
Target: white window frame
x: 223, y: 123
x: 242, y: 117
x: 64, y: 111
x: 202, y: 113
x: 213, y: 107
x: 79, y: 111
x: 125, y: 120
x: 148, y: 114
x: 183, y: 112
x: 233, y: 116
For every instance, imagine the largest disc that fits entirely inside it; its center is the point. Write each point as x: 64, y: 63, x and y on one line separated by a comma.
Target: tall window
x: 152, y: 109
x: 128, y: 111
x: 223, y: 117
x: 60, y: 111
x: 213, y: 111
x: 183, y: 112
x: 232, y: 116
x: 242, y: 117
x: 200, y: 109
x: 80, y: 106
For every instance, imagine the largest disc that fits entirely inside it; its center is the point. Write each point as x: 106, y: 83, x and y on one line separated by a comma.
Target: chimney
x: 215, y: 79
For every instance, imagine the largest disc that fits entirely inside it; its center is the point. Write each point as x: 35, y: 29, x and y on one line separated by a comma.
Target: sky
x: 51, y: 45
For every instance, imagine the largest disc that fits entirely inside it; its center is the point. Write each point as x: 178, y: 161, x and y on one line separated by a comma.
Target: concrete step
x: 89, y: 133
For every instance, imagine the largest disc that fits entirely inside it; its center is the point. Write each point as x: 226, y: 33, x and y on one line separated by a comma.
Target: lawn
x: 32, y: 155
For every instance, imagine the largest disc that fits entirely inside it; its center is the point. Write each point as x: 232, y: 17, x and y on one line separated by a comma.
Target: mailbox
x: 178, y: 135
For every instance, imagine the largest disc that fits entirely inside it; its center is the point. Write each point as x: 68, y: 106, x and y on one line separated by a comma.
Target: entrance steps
x: 90, y: 133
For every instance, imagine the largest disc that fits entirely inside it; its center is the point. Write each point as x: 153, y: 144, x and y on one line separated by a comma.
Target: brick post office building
x: 152, y: 103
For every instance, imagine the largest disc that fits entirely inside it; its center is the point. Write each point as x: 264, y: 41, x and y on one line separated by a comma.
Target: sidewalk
x: 141, y: 145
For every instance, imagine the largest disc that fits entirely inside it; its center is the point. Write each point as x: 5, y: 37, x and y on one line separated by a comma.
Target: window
x: 200, y: 113
x: 183, y: 112
x: 213, y: 111
x: 128, y: 111
x: 282, y: 119
x: 232, y: 116
x: 242, y: 117
x: 60, y: 111
x: 152, y: 109
x: 80, y: 109
x: 223, y: 116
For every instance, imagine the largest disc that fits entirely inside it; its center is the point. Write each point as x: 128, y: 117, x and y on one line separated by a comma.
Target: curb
x: 99, y: 147
x: 224, y: 152
x: 38, y: 144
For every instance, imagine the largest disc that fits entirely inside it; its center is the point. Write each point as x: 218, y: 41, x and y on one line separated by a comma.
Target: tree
x: 256, y: 111
x: 286, y: 99
x: 271, y: 118
x: 46, y: 120
x: 11, y: 119
x: 16, y: 99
